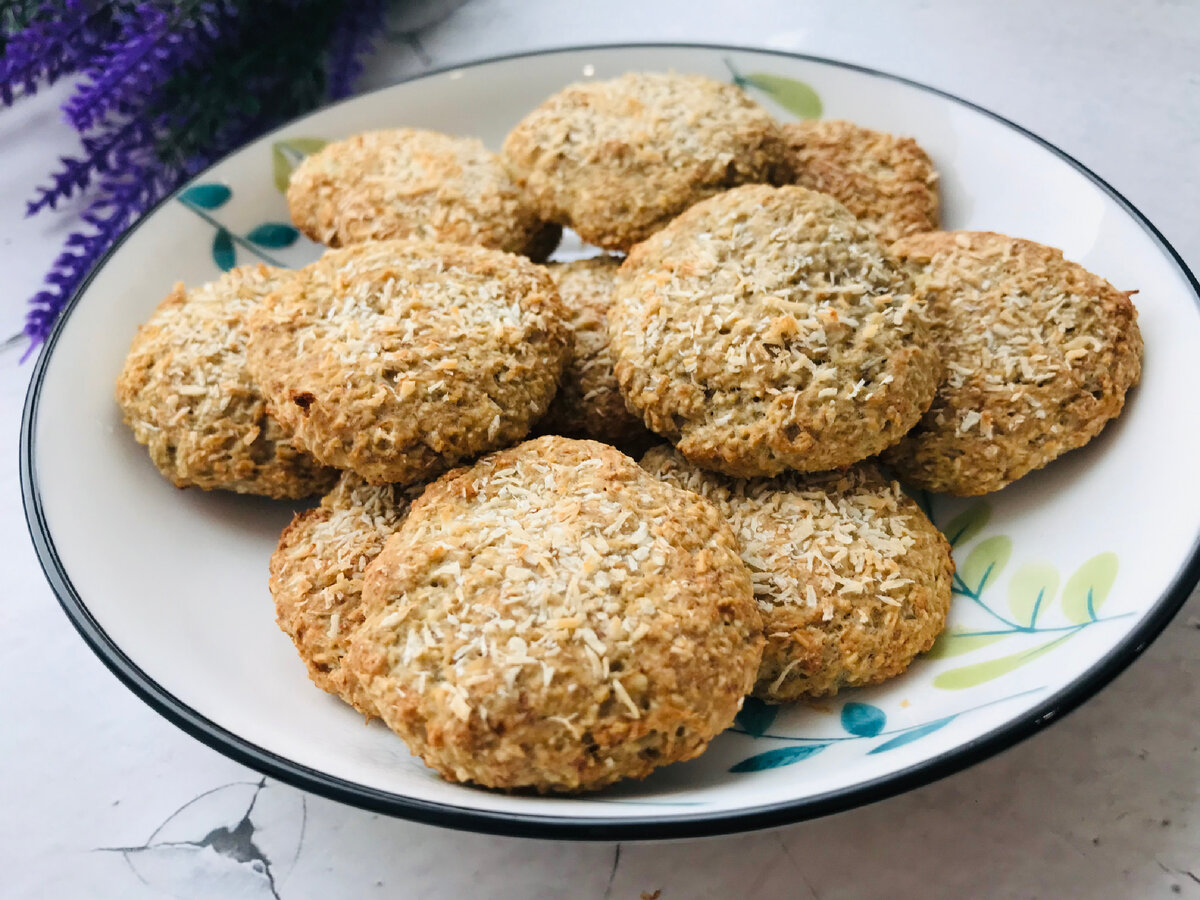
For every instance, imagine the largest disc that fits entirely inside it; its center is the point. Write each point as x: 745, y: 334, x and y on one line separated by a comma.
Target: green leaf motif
x: 795, y: 96
x: 985, y: 562
x: 222, y: 250
x: 1031, y: 590
x: 955, y: 643
x: 979, y: 673
x: 773, y: 759
x: 863, y: 719
x: 286, y: 155
x: 1088, y: 588
x: 968, y: 523
x: 755, y: 716
x: 207, y: 196
x: 273, y: 234
x: 911, y: 735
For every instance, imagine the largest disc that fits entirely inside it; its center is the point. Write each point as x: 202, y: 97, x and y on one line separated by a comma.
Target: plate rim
x: 528, y: 825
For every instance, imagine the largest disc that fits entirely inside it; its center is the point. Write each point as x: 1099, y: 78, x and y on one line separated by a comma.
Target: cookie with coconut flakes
x: 555, y: 618
x: 766, y: 329
x: 1039, y: 356
x: 188, y: 396
x: 618, y: 159
x: 399, y: 359
x: 589, y: 402
x: 317, y: 573
x: 887, y: 181
x: 408, y: 183
x: 851, y: 578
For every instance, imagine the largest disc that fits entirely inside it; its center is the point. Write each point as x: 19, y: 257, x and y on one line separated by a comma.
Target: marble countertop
x: 102, y: 798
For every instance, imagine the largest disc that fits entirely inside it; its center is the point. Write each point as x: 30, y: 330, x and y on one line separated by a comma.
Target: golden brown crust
x: 555, y: 618
x: 398, y: 359
x: 186, y: 393
x: 765, y: 329
x: 589, y: 402
x: 1039, y: 355
x: 317, y: 574
x: 616, y: 160
x: 888, y: 182
x: 851, y: 578
x: 409, y: 183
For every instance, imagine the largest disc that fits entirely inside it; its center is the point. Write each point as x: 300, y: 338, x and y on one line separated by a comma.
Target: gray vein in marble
x: 612, y: 873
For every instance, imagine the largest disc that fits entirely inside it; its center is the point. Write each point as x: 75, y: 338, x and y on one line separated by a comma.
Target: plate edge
x: 561, y: 827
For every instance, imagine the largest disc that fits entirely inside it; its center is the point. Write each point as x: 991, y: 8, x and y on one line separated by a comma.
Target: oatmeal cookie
x: 555, y: 618
x: 186, y: 393
x: 1039, y: 355
x: 408, y: 183
x: 588, y: 402
x: 851, y: 578
x: 398, y: 359
x: 766, y: 329
x: 888, y: 182
x: 618, y: 159
x: 317, y: 574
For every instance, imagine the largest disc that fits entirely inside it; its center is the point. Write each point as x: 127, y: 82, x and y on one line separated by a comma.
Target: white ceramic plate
x: 1064, y: 577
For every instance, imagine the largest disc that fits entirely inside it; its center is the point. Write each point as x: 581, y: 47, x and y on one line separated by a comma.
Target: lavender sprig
x: 156, y: 42
x: 52, y: 44
x: 166, y: 87
x: 352, y: 40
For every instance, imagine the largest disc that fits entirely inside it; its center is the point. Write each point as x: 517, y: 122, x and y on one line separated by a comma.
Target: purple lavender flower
x: 154, y: 43
x: 167, y: 86
x: 352, y: 39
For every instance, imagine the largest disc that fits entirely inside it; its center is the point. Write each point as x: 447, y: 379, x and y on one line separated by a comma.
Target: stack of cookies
x: 773, y: 321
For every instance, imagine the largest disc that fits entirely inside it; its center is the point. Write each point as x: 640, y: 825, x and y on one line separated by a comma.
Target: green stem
x: 1025, y: 629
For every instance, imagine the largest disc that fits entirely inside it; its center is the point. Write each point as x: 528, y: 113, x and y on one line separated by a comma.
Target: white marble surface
x: 1104, y: 804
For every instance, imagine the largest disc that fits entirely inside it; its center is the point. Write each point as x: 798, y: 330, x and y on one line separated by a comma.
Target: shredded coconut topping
x: 1038, y: 354
x: 408, y: 183
x: 766, y: 329
x: 187, y: 394
x: 557, y: 580
x: 317, y: 575
x: 850, y: 577
x: 398, y: 358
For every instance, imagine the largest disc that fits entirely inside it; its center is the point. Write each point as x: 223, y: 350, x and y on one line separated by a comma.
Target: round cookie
x: 398, y: 359
x: 408, y: 183
x: 317, y: 574
x: 1039, y: 354
x: 851, y: 578
x: 616, y: 160
x: 555, y: 618
x: 186, y: 393
x: 588, y: 402
x: 888, y: 182
x: 766, y: 329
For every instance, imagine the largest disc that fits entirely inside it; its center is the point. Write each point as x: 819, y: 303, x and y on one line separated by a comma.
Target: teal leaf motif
x: 968, y: 523
x: 774, y: 759
x: 911, y: 735
x: 983, y: 565
x: 273, y: 234
x: 756, y: 716
x: 207, y: 196
x: 222, y: 250
x: 863, y: 719
x: 1088, y: 588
